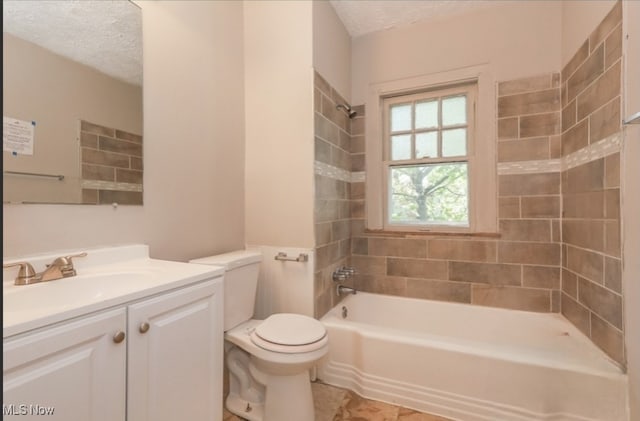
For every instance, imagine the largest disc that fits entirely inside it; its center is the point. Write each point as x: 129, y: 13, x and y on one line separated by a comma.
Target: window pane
x: 427, y: 115
x: 401, y: 147
x: 400, y: 117
x: 427, y: 145
x: 434, y: 194
x: 454, y: 142
x: 454, y: 110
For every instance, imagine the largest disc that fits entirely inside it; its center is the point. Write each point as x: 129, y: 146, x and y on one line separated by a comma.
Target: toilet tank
x: 240, y: 283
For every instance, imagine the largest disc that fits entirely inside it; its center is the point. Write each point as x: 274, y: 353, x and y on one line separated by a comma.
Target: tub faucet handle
x: 350, y: 271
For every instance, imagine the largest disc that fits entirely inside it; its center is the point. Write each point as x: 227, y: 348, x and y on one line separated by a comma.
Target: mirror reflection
x: 72, y: 102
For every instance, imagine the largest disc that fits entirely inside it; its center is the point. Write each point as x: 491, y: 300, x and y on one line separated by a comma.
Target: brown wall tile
x: 90, y: 196
x: 417, y: 268
x: 605, y: 121
x: 512, y: 298
x: 555, y: 146
x: 135, y: 163
x: 587, y: 234
x: 613, y: 47
x: 357, y: 162
x: 508, y: 207
x: 85, y: 126
x: 529, y: 253
x: 575, y: 138
x: 486, y: 273
x: 398, y: 247
x: 107, y: 197
x: 612, y: 170
x: 523, y: 150
x: 369, y: 265
x: 569, y: 115
x: 508, y: 128
x: 540, y: 207
x: 580, y: 55
x: 612, y: 203
x: 585, y: 178
x: 541, y: 277
x: 389, y: 285
x: 320, y: 83
x: 528, y: 184
x: 92, y: 156
x: 120, y: 146
x: 586, y: 73
x: 540, y: 124
x: 128, y: 176
x: 529, y: 103
x: 607, y: 304
x: 570, y: 283
x: 357, y: 126
x: 477, y: 251
x: 528, y: 84
x: 323, y: 233
x: 360, y: 245
x: 584, y: 205
x: 439, y: 290
x: 610, y: 339
x: 612, y: 244
x: 613, y: 18
x: 98, y: 172
x: 322, y: 151
x: 89, y: 140
x: 121, y: 134
x: 586, y: 263
x: 357, y: 144
x: 525, y: 230
x: 576, y: 313
x: 613, y: 274
x: 600, y: 92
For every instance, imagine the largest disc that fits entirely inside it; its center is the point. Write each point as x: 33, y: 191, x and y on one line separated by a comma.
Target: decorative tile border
x: 330, y: 171
x: 527, y: 167
x: 604, y: 147
x: 600, y: 149
x: 110, y: 185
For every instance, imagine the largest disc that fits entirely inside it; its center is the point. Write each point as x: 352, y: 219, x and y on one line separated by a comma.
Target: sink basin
x: 107, y: 277
x: 65, y: 292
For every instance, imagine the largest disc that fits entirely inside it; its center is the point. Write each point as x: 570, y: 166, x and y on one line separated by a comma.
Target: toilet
x: 268, y: 360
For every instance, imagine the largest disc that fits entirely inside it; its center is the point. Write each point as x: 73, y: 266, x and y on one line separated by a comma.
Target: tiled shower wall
x: 520, y: 267
x: 332, y: 182
x: 111, y: 162
x: 591, y: 138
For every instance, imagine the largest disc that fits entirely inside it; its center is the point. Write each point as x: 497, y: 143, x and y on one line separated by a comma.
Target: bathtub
x: 468, y: 362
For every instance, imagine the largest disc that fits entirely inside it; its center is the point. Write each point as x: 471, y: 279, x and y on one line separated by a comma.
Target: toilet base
x: 251, y: 411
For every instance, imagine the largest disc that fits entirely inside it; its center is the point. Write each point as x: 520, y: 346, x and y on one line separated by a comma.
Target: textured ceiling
x: 364, y: 16
x: 104, y: 34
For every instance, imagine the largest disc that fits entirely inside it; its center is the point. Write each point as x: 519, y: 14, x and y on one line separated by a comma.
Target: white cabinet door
x: 76, y: 370
x: 175, y: 356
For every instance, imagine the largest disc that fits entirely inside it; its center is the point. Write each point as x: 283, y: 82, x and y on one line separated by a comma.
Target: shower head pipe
x: 347, y: 109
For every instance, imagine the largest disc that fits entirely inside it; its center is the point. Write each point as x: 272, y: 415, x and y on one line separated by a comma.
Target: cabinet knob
x: 119, y: 337
x: 144, y: 327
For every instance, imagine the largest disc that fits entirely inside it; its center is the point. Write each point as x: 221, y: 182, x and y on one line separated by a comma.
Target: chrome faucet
x: 61, y: 267
x: 342, y: 289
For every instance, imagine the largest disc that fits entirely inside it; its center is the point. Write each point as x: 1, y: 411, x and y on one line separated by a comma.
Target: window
x: 428, y: 139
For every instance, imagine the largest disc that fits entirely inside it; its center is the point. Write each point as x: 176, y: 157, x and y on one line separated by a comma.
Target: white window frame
x: 481, y: 154
x: 469, y: 90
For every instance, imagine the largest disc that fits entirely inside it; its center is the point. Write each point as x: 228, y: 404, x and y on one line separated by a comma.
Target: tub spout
x: 341, y: 289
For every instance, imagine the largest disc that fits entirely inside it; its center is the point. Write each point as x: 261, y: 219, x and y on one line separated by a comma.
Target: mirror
x: 72, y: 102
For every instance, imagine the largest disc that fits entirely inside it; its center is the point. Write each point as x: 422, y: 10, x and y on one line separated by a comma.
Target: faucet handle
x: 26, y: 274
x: 65, y: 263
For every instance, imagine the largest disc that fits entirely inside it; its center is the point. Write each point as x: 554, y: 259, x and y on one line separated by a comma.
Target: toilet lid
x: 290, y: 329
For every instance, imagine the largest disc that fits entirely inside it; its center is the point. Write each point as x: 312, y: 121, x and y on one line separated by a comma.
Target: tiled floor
x: 335, y: 404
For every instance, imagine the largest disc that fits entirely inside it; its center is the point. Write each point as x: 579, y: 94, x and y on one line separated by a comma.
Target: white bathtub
x: 470, y: 363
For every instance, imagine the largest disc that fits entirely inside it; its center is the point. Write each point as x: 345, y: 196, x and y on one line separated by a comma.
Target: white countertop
x: 107, y: 277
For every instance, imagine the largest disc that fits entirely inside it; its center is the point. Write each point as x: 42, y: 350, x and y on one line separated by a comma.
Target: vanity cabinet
x: 76, y: 369
x: 155, y: 359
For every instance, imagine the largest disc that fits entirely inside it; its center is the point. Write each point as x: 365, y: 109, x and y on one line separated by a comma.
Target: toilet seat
x: 290, y: 333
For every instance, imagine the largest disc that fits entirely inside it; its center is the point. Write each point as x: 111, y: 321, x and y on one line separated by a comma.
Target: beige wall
x: 57, y: 93
x: 579, y: 18
x: 279, y: 123
x: 194, y: 151
x: 631, y: 202
x: 331, y: 48
x: 516, y: 39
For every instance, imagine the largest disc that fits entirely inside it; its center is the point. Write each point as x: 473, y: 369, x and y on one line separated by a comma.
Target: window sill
x: 409, y: 234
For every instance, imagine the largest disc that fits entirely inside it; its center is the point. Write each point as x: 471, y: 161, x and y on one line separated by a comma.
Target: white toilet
x: 268, y: 360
